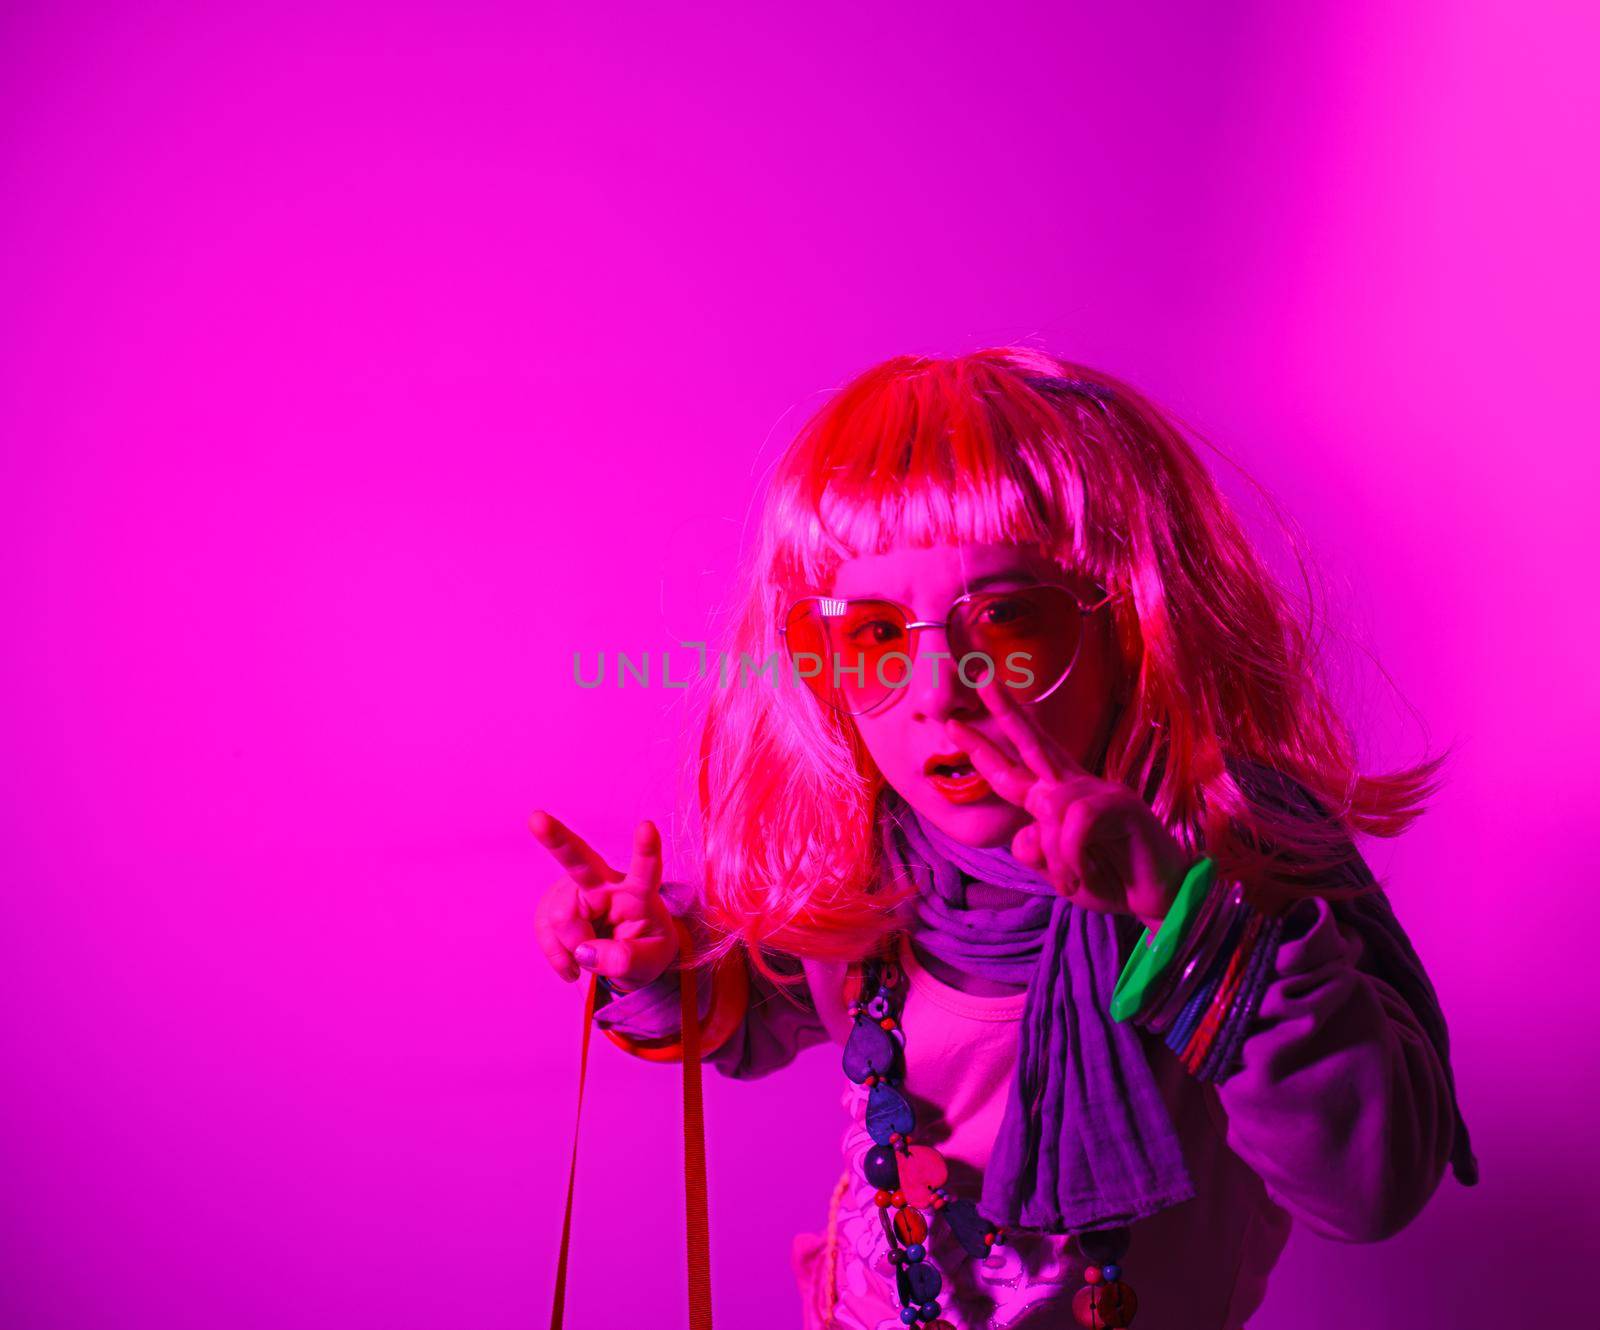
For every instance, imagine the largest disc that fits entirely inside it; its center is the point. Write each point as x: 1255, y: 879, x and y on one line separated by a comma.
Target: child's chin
x: 991, y: 824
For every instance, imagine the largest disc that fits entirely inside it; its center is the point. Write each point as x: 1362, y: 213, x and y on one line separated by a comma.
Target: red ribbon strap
x: 694, y: 1165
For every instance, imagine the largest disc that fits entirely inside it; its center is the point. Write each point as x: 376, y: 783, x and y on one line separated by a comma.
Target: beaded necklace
x: 910, y: 1177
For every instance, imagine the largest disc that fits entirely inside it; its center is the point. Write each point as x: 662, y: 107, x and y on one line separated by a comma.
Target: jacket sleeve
x: 1341, y: 1104
x: 776, y: 1026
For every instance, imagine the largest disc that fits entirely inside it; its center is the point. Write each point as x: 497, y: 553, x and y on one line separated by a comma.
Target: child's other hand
x: 1096, y: 840
x: 598, y: 919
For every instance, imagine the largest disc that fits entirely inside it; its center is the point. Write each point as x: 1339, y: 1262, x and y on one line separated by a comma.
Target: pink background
x: 357, y: 369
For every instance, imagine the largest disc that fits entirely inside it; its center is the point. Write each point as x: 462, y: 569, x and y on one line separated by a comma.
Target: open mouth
x: 950, y: 766
x: 954, y: 776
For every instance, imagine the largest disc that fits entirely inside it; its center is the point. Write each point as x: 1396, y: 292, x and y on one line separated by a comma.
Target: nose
x: 936, y: 689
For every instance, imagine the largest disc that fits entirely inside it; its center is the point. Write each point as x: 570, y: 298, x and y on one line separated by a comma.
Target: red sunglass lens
x: 851, y: 653
x: 1030, y: 635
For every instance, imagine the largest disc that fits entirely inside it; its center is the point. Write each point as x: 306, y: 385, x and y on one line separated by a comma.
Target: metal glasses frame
x: 911, y: 625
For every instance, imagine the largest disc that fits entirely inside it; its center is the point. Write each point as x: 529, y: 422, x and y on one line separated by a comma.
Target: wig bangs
x: 946, y: 454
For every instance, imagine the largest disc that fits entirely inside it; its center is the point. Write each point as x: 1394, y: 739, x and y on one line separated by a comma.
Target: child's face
x: 907, y: 731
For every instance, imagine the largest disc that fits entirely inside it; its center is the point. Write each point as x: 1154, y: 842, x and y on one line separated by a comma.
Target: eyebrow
x: 977, y: 584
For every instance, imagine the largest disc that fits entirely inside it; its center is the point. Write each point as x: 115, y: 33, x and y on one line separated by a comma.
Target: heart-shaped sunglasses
x: 857, y: 653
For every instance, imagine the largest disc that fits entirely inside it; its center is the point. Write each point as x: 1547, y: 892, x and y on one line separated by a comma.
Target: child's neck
x: 972, y: 984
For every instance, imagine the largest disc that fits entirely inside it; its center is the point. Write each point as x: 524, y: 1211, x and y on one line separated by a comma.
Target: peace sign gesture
x: 1096, y: 840
x: 615, y: 924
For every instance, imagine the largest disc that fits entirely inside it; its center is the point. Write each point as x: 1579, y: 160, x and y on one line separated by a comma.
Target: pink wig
x: 1012, y: 444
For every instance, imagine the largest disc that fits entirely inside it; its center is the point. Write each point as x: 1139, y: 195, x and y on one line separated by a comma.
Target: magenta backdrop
x: 358, y: 368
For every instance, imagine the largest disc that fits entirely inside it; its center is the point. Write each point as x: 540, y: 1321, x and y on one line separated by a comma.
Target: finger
x: 612, y: 957
x: 560, y: 958
x: 1044, y: 755
x: 1025, y: 846
x: 1007, y: 777
x: 1101, y: 862
x: 572, y: 852
x: 1101, y: 887
x: 1049, y: 800
x: 1074, y: 846
x: 1032, y: 745
x: 1061, y: 863
x: 626, y: 958
x: 1076, y: 820
x: 560, y: 928
x: 644, y: 870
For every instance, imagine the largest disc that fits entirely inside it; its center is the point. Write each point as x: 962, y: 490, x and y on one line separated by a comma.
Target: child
x: 1039, y: 811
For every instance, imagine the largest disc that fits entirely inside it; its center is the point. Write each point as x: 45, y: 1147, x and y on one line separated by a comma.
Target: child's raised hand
x: 596, y: 918
x: 1096, y: 840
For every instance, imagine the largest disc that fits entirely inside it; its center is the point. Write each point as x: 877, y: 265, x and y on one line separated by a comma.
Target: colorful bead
x: 888, y: 1113
x: 902, y: 1284
x: 869, y: 1051
x: 1104, y: 1306
x: 922, y: 1168
x: 909, y: 1225
x: 1093, y: 1274
x: 897, y: 1198
x: 924, y: 1281
x: 1113, y: 1273
x: 881, y: 1167
x: 961, y: 1214
x: 882, y: 1198
x: 930, y: 1311
x: 915, y: 1252
x: 909, y: 1315
x: 878, y: 1008
x: 887, y: 1022
x: 1084, y: 1309
x: 1120, y: 1306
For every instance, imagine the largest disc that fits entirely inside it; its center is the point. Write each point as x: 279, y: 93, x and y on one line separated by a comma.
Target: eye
x: 1004, y: 611
x: 874, y: 632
